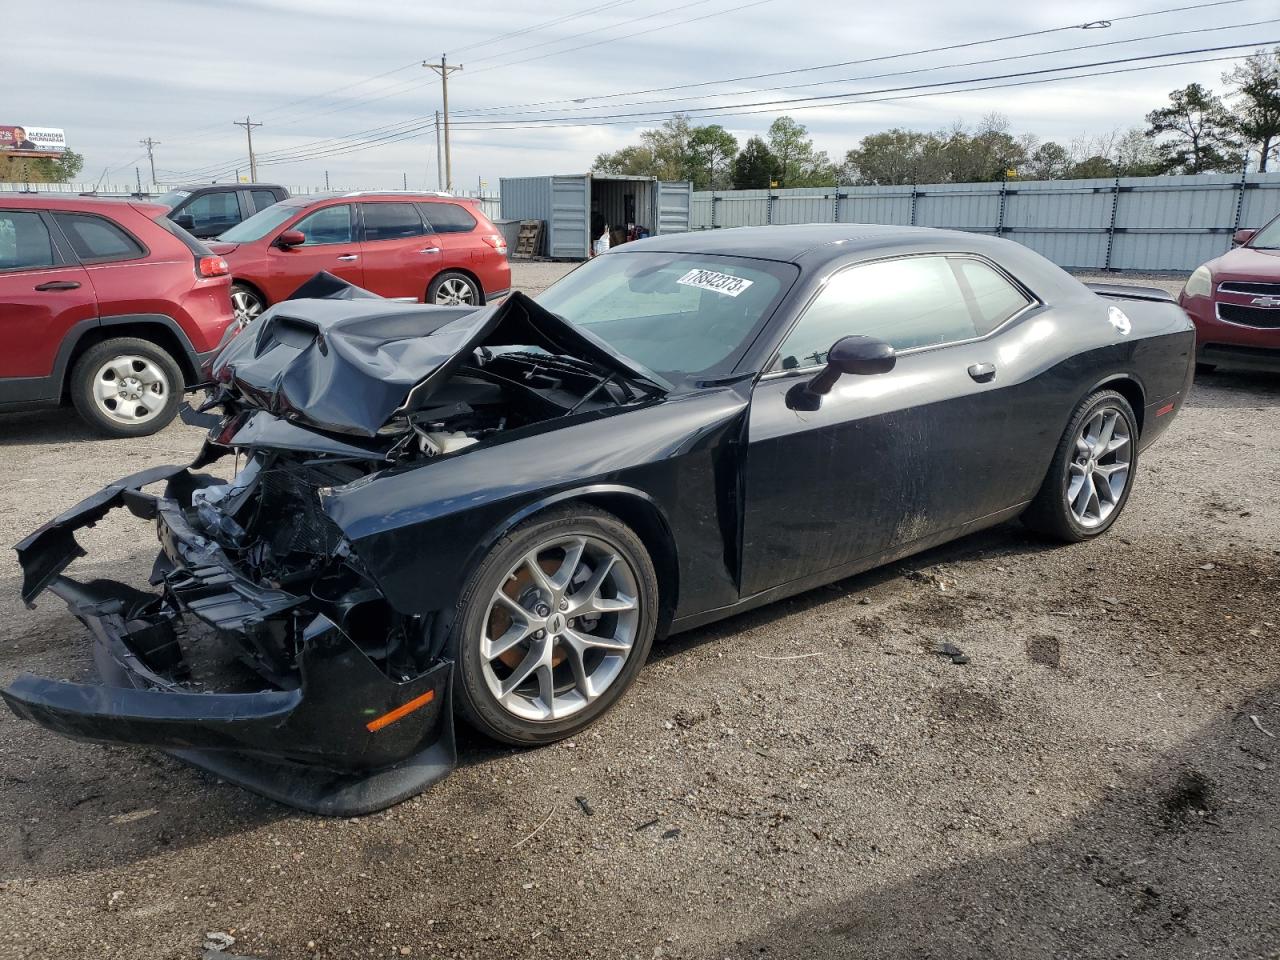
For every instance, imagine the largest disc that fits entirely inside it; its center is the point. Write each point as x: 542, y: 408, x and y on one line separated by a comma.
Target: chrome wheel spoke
x: 585, y: 641
x: 1094, y: 489
x: 532, y: 660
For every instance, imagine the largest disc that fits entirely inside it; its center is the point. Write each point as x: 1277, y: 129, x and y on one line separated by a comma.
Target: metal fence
x: 1128, y: 223
x: 490, y: 204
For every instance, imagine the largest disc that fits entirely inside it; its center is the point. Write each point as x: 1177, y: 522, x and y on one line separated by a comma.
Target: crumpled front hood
x: 349, y: 362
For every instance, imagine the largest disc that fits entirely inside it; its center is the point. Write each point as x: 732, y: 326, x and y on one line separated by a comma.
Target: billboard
x: 20, y: 141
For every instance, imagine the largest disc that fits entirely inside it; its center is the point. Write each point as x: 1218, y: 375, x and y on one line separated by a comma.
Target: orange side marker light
x: 1167, y: 408
x: 391, y: 716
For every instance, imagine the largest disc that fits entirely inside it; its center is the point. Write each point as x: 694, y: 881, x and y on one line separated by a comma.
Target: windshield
x: 679, y: 314
x: 1268, y: 238
x: 173, y: 198
x: 260, y: 224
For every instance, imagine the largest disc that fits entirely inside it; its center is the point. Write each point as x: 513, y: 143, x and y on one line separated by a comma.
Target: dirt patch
x: 1045, y: 650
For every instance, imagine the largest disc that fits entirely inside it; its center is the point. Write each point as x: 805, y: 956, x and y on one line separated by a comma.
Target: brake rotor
x: 520, y: 588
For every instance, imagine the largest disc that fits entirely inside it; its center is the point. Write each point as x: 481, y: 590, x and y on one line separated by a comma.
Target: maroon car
x: 1235, y: 303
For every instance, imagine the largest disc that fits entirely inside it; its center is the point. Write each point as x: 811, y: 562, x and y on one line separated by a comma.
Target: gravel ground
x: 807, y: 780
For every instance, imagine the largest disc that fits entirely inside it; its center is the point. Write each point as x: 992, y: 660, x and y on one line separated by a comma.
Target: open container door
x: 568, y: 227
x: 673, y: 206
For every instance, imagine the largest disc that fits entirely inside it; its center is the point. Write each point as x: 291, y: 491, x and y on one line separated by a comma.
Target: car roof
x: 416, y: 196
x: 60, y: 200
x: 194, y: 187
x: 809, y: 242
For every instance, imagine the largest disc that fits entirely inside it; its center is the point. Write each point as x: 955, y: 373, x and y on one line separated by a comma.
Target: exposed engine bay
x: 262, y: 611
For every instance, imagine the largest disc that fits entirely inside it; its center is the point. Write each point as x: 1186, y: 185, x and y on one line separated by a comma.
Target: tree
x: 799, y: 165
x: 1255, y: 86
x: 890, y: 158
x: 633, y: 161
x: 713, y: 149
x: 985, y: 155
x: 1194, y: 133
x: 1049, y: 161
x: 755, y: 168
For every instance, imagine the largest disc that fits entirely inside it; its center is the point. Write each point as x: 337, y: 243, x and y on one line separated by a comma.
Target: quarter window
x: 448, y: 217
x: 24, y: 241
x: 95, y: 239
x: 263, y: 199
x: 327, y: 225
x: 391, y: 221
x: 910, y: 302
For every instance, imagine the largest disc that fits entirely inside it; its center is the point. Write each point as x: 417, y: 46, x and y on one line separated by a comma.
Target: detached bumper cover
x: 325, y: 746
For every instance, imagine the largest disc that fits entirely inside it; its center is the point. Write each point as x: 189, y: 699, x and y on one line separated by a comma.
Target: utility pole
x: 404, y: 179
x: 248, y: 130
x: 151, y: 145
x: 443, y: 70
x: 439, y: 161
x: 326, y: 181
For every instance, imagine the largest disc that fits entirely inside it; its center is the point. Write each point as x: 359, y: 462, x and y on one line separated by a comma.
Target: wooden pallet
x: 529, y: 240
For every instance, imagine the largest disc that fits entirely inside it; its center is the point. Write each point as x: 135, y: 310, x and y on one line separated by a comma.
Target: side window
x: 992, y: 298
x: 213, y: 211
x: 391, y: 221
x: 24, y: 241
x: 327, y: 225
x: 263, y: 199
x: 96, y: 239
x: 448, y: 217
x: 911, y: 302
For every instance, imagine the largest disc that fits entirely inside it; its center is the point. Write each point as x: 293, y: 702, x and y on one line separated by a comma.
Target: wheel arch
x: 633, y: 507
x: 166, y: 335
x: 470, y: 275
x: 1128, y: 387
x: 241, y: 281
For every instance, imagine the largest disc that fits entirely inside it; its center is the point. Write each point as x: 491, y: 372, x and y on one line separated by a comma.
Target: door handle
x: 349, y: 257
x: 429, y: 250
x: 59, y: 285
x: 982, y: 372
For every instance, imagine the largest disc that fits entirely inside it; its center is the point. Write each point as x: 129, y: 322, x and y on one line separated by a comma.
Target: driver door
x: 331, y: 246
x: 888, y: 459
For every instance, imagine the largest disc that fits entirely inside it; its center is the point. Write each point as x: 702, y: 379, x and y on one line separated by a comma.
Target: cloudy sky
x: 339, y: 86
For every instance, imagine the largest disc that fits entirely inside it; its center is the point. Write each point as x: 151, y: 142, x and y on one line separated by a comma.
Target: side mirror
x: 856, y: 356
x: 185, y: 220
x: 291, y: 238
x: 1241, y: 237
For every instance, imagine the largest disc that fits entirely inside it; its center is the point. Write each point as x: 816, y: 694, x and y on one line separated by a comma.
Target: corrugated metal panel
x: 567, y: 226
x: 673, y: 207
x: 526, y: 198
x: 1137, y: 223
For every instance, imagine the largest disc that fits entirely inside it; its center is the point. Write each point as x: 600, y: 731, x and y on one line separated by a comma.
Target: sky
x: 546, y: 87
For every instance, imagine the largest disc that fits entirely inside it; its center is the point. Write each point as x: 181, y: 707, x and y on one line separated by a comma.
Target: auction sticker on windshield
x: 724, y: 283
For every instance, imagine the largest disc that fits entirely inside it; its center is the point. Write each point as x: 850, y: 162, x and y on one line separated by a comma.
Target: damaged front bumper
x: 339, y: 736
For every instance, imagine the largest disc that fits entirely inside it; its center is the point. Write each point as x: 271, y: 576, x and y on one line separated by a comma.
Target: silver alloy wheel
x: 560, y: 628
x: 455, y: 292
x: 130, y: 389
x: 1099, y: 471
x: 247, y: 306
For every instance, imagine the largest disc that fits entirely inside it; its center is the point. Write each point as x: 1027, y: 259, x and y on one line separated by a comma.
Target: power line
x: 587, y: 33
x: 896, y: 93
x: 400, y: 126
x: 865, y: 60
x: 904, y: 73
x: 641, y: 33
x: 541, y: 26
x: 248, y: 132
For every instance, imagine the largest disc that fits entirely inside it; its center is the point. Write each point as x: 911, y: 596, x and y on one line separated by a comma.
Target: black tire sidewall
x: 472, y: 698
x: 86, y: 366
x: 1060, y: 474
x: 434, y: 287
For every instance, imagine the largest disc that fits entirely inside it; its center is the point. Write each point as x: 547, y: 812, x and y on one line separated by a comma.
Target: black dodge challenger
x: 491, y: 513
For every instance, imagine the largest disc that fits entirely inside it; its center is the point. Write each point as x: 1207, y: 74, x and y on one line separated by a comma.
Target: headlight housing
x: 1200, y: 283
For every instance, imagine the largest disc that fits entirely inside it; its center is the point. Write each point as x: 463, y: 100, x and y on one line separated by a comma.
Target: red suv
x: 1235, y: 303
x: 107, y: 303
x: 430, y: 248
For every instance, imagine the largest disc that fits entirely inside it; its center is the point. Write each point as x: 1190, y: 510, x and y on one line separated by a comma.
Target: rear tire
x: 126, y: 387
x: 562, y: 643
x: 454, y: 289
x: 1092, y: 473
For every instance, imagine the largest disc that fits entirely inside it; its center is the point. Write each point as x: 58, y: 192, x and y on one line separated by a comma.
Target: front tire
x: 553, y: 626
x: 247, y: 303
x: 1089, y: 481
x: 454, y: 289
x: 126, y: 387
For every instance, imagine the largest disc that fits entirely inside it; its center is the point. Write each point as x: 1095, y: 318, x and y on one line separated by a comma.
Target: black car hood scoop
x: 344, y: 360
